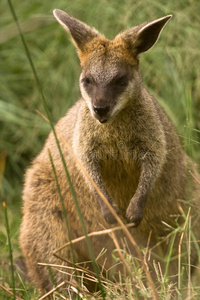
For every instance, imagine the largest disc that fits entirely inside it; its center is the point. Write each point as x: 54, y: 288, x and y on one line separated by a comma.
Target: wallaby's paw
x: 108, y: 216
x: 134, y: 216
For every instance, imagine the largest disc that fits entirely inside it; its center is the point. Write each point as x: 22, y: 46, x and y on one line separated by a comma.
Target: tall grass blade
x: 189, y: 259
x: 62, y: 203
x: 10, y: 250
x: 64, y: 213
x: 189, y: 122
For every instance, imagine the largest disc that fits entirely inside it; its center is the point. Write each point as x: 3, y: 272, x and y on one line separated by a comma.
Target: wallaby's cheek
x: 87, y: 98
x: 126, y: 98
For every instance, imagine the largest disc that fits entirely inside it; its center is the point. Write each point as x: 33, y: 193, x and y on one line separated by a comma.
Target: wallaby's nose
x: 101, y: 111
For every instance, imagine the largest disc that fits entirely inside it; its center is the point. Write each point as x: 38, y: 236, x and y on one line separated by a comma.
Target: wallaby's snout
x: 101, y: 112
x: 99, y: 101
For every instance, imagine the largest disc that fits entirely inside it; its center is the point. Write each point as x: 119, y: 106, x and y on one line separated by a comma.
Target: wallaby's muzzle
x: 101, y: 112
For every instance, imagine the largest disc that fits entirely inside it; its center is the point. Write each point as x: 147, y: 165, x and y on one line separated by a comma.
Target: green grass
x: 170, y: 71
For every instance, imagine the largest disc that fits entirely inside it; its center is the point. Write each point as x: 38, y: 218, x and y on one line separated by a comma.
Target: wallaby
x: 128, y: 147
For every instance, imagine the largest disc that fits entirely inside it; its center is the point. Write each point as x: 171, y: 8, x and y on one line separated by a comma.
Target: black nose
x: 101, y: 111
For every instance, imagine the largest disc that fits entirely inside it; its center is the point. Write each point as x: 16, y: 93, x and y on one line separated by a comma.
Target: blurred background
x: 170, y: 70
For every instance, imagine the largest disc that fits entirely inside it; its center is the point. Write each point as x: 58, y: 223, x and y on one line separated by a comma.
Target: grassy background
x: 170, y: 71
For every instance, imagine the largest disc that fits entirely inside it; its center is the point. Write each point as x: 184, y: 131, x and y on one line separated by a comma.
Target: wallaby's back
x: 130, y: 150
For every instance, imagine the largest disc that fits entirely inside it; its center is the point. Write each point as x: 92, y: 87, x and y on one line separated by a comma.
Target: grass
x: 170, y: 71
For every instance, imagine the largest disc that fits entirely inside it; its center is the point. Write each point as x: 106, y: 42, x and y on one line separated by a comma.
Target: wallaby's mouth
x: 101, y: 112
x: 102, y: 120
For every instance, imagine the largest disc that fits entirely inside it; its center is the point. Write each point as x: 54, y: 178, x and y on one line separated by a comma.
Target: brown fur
x: 135, y: 159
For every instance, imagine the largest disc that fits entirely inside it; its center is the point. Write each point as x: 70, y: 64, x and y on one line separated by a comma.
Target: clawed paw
x: 108, y: 216
x: 134, y: 217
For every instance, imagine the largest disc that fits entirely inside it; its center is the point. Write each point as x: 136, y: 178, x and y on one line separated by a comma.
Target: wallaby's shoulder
x: 65, y: 126
x: 64, y: 130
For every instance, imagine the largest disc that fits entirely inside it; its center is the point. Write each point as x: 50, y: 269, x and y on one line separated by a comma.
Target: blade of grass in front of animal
x: 95, y: 266
x: 64, y: 212
x: 52, y: 291
x: 189, y: 259
x: 62, y: 204
x: 180, y: 244
x: 10, y: 249
x: 94, y: 233
x: 189, y: 120
x: 169, y: 256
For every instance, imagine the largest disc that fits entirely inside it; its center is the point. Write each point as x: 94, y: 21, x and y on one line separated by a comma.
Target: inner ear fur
x: 142, y: 37
x: 79, y: 31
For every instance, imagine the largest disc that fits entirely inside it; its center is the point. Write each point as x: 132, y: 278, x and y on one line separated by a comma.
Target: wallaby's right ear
x: 142, y: 37
x: 80, y: 32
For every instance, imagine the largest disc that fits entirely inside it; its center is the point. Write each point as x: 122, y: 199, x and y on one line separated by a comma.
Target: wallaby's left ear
x: 79, y: 31
x: 142, y: 37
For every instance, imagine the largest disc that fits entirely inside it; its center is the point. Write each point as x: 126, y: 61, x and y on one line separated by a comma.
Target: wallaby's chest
x: 119, y: 170
x: 120, y: 176
x: 115, y: 149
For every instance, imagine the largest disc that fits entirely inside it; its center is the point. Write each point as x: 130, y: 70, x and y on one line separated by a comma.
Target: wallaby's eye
x: 87, y: 80
x: 123, y: 81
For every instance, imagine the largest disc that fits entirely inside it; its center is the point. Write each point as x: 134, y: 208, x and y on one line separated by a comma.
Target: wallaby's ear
x: 142, y: 37
x: 80, y: 32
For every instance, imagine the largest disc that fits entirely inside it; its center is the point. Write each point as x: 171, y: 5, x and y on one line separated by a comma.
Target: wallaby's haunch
x: 129, y: 148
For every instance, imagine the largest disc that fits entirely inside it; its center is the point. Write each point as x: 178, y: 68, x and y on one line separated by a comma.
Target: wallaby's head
x: 110, y: 78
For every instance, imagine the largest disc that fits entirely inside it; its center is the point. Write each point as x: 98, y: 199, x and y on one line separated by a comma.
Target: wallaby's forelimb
x: 93, y: 169
x: 151, y: 166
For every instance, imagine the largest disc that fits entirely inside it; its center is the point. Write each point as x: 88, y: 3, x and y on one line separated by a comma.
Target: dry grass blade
x: 197, y: 180
x: 78, y: 269
x: 43, y: 116
x: 94, y: 233
x: 9, y: 292
x: 91, y: 276
x: 189, y: 258
x: 120, y: 253
x: 180, y: 244
x: 72, y: 265
x: 74, y: 286
x: 52, y: 291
